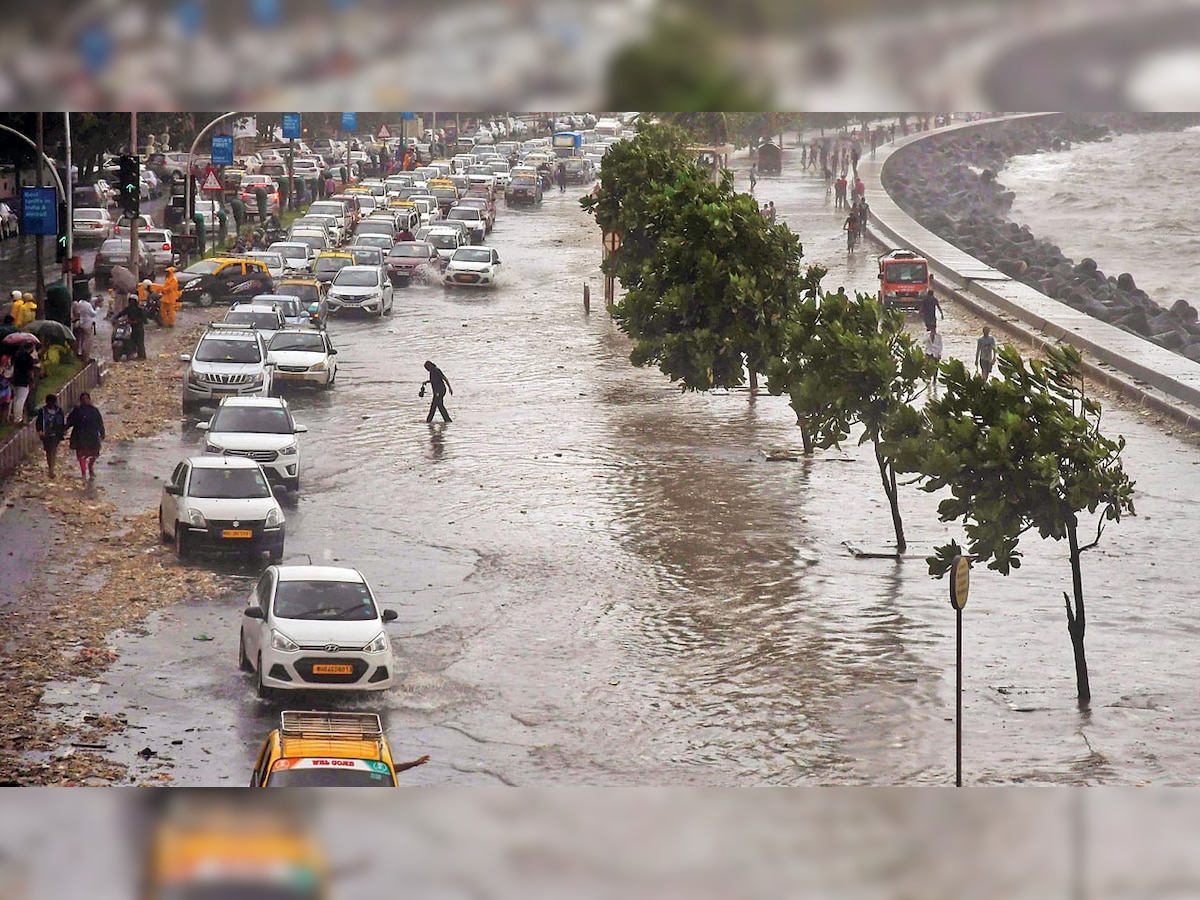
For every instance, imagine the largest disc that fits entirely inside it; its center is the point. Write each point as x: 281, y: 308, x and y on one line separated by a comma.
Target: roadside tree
x: 1019, y: 453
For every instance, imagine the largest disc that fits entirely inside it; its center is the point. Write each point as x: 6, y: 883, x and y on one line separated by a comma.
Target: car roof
x: 374, y: 269
x: 320, y: 573
x: 221, y: 462
x: 252, y: 306
x: 260, y: 402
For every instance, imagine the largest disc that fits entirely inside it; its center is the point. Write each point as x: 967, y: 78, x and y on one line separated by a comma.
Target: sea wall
x: 948, y: 184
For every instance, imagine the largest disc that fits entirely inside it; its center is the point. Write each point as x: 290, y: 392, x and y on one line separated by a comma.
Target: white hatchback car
x: 303, y: 356
x: 365, y: 288
x: 472, y: 267
x: 315, y: 628
x: 221, y: 503
x: 261, y: 429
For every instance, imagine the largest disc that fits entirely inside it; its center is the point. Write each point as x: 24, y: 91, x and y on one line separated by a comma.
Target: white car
x: 297, y: 257
x: 266, y: 319
x: 229, y: 361
x: 261, y: 429
x: 315, y: 628
x: 471, y: 267
x: 272, y: 259
x: 445, y: 241
x: 303, y: 356
x: 92, y: 224
x: 221, y: 503
x: 361, y: 287
x: 473, y: 218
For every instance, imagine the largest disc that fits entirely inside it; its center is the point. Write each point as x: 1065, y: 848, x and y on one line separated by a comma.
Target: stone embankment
x: 949, y: 185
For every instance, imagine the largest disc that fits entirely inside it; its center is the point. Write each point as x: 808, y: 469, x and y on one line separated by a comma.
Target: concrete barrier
x: 981, y: 287
x: 17, y: 448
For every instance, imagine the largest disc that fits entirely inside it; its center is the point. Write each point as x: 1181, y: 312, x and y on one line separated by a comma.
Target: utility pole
x: 133, y: 228
x: 70, y: 192
x: 39, y: 289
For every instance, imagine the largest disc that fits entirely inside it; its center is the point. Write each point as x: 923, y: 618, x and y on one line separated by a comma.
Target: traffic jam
x: 388, y: 220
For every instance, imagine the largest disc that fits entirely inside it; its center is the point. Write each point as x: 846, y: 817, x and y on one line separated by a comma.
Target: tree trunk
x: 1077, y: 621
x: 753, y: 381
x: 887, y: 475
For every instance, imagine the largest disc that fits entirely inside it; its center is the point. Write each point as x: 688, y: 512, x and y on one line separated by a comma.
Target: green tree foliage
x: 1019, y: 453
x: 845, y: 364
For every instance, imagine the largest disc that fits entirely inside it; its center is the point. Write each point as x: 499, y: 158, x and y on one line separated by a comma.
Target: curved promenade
x: 1138, y: 368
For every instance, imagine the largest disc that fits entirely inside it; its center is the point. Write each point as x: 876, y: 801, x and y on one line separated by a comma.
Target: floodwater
x: 601, y: 580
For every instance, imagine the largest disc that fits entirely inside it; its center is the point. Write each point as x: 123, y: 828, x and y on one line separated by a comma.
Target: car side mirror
x: 332, y: 352
x: 254, y: 612
x: 174, y: 490
x: 390, y: 615
x: 185, y: 357
x: 300, y: 429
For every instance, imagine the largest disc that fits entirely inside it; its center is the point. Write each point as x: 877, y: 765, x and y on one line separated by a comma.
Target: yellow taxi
x: 208, y: 846
x: 328, y: 749
x: 329, y: 262
x: 306, y: 288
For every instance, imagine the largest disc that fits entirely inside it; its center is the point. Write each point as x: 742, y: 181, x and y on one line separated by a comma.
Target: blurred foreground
x: 584, y: 843
x: 568, y: 54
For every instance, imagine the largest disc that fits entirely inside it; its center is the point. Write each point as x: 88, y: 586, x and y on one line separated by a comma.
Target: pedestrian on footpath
x: 839, y: 193
x: 930, y: 309
x: 83, y: 318
x: 51, y: 424
x: 23, y: 365
x: 933, y: 350
x: 753, y: 177
x: 439, y: 384
x: 985, y: 353
x: 87, y: 435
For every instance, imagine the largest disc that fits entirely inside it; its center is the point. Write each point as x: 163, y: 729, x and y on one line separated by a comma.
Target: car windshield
x: 331, y: 263
x: 907, y: 273
x: 463, y: 214
x: 523, y: 181
x: 375, y: 226
x: 356, y: 278
x: 374, y: 241
x: 256, y: 419
x: 226, y: 350
x: 272, y: 260
x: 117, y: 245
x: 88, y: 214
x: 265, y: 320
x: 306, y: 293
x: 365, y: 256
x: 338, y: 600
x: 228, y: 484
x: 475, y: 255
x: 442, y: 241
x: 204, y: 267
x: 288, y: 306
x: 298, y: 340
x: 326, y: 209
x: 322, y: 777
x: 290, y: 251
x: 409, y: 251
x: 311, y: 241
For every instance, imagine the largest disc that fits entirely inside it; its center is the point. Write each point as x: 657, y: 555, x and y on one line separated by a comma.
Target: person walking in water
x: 439, y: 384
x: 753, y: 177
x: 985, y: 352
x: 930, y: 308
x: 933, y: 350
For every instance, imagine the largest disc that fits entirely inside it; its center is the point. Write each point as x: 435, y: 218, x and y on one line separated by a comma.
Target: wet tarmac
x: 601, y: 580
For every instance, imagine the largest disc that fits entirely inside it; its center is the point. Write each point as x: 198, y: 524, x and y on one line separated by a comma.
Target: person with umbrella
x: 87, y: 434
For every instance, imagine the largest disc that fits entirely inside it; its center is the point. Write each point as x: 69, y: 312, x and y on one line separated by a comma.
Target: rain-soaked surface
x: 601, y: 580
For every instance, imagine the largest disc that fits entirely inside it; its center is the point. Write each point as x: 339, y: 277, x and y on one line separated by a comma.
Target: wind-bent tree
x: 708, y: 281
x: 1019, y: 453
x: 844, y: 363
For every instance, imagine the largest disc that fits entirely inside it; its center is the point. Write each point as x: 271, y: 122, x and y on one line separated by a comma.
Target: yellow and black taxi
x: 445, y: 192
x: 207, y: 845
x: 224, y: 279
x: 328, y: 749
x: 305, y: 288
x: 329, y: 262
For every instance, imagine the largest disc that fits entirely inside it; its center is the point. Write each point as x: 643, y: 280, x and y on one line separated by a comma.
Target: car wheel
x: 205, y: 299
x: 182, y: 545
x: 264, y: 692
x: 243, y: 660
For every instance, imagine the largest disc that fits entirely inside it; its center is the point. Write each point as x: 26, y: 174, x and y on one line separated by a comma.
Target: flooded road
x: 603, y: 581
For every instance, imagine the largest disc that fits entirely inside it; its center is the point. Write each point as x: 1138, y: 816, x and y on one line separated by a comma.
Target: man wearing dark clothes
x: 930, y: 308
x: 439, y: 384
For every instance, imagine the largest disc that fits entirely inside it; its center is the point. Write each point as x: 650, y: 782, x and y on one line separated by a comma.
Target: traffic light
x: 131, y: 186
x: 60, y: 244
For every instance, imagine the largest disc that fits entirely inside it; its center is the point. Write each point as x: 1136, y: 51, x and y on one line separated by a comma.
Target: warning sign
x: 211, y: 182
x: 384, y: 134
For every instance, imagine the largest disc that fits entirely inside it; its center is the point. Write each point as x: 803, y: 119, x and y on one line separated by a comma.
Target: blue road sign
x: 349, y: 121
x: 291, y: 126
x: 222, y: 149
x: 409, y: 115
x: 39, y: 210
x: 189, y: 14
x: 96, y: 47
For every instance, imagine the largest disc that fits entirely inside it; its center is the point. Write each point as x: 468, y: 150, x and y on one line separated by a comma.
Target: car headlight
x: 317, y: 367
x: 289, y: 450
x: 280, y: 641
x: 379, y: 645
x: 196, y: 518
x: 889, y: 293
x: 193, y: 378
x: 258, y: 378
x: 274, y: 518
x: 210, y: 447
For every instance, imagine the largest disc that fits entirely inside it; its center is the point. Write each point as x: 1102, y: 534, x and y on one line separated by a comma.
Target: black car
x: 115, y: 252
x: 579, y: 171
x: 523, y: 189
x: 230, y: 281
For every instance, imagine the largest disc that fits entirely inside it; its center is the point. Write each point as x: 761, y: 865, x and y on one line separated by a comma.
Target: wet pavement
x: 603, y: 581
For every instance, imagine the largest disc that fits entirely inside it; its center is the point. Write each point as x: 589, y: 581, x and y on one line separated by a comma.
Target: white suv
x: 261, y: 429
x: 229, y: 361
x: 315, y: 628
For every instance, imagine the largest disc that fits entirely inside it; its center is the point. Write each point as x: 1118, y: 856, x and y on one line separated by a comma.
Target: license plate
x: 237, y: 533
x: 332, y: 669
